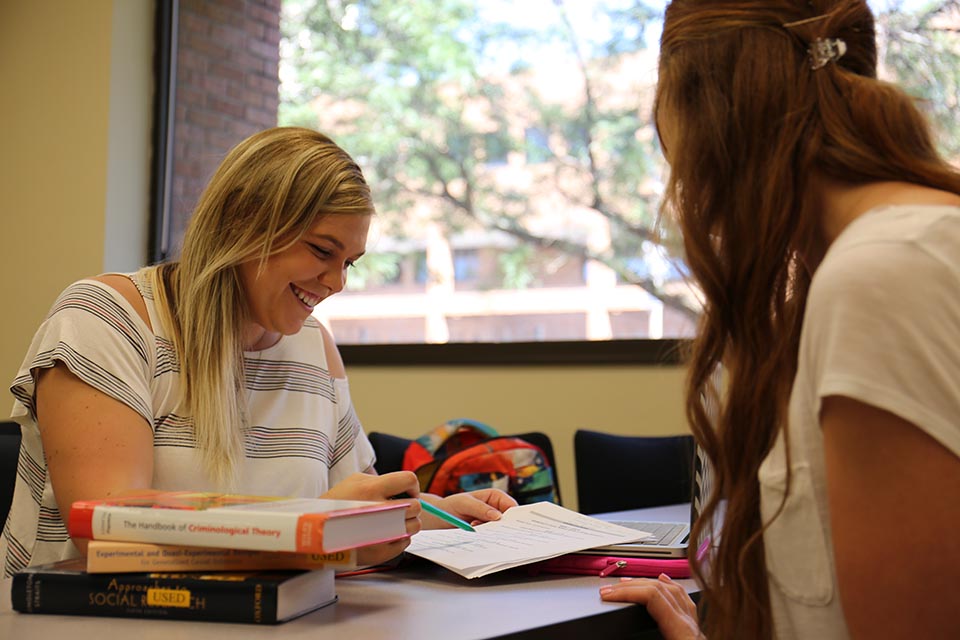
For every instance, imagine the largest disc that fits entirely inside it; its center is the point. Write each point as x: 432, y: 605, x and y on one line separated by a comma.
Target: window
x: 466, y: 265
x: 484, y: 112
x: 537, y: 145
x: 496, y: 148
x: 509, y: 147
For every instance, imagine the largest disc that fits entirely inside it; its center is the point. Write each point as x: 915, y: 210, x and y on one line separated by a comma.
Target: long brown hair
x: 268, y: 191
x: 754, y: 125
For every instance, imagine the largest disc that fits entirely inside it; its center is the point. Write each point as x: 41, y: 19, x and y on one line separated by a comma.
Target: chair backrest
x: 9, y: 454
x: 618, y: 472
x: 389, y: 450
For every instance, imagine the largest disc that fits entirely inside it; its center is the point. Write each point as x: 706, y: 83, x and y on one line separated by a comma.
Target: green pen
x: 446, y: 517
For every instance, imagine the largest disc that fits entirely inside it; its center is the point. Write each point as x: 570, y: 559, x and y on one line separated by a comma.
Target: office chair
x: 389, y: 450
x: 617, y: 472
x: 9, y: 454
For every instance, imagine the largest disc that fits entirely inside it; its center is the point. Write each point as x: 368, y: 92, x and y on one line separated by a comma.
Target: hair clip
x: 824, y: 50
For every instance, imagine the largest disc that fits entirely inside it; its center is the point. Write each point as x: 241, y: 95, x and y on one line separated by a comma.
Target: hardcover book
x: 264, y: 523
x: 108, y: 556
x: 258, y: 597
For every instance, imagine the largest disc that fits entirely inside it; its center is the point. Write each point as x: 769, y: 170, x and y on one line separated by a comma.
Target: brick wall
x: 227, y: 76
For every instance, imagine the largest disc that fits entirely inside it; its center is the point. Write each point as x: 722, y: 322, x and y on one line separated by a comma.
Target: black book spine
x: 144, y: 595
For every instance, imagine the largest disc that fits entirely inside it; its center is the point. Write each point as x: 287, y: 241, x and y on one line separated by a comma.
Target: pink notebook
x: 586, y: 564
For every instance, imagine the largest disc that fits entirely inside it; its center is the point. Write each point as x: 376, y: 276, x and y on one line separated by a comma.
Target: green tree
x: 920, y: 51
x: 431, y: 96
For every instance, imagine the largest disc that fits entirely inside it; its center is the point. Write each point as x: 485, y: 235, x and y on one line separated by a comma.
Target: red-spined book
x: 265, y: 523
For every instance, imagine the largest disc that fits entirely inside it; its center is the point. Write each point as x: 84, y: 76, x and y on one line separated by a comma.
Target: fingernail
x: 665, y: 577
x: 493, y: 514
x: 605, y: 590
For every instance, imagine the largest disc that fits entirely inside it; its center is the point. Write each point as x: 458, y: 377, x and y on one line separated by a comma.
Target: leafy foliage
x: 466, y: 115
x: 920, y: 51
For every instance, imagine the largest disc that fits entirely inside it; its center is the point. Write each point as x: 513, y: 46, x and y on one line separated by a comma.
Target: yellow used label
x: 157, y: 597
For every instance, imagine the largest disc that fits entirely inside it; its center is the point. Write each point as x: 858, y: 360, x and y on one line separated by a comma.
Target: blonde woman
x: 824, y: 231
x: 210, y: 373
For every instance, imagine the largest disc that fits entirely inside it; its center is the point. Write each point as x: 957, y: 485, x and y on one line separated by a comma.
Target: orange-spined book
x: 110, y: 556
x: 265, y: 523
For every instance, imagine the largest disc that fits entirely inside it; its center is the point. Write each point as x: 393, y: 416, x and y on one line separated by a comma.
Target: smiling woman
x: 283, y: 290
x: 210, y: 373
x: 243, y: 249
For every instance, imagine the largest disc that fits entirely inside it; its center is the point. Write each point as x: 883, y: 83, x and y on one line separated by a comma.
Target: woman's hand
x: 666, y: 601
x: 375, y: 554
x: 368, y: 486
x: 475, y: 507
x: 363, y: 486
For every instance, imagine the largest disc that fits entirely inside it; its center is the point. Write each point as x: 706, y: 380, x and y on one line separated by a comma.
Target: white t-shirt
x: 304, y: 435
x: 882, y: 326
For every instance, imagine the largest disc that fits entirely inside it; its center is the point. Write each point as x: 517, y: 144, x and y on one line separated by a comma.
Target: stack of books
x: 207, y: 556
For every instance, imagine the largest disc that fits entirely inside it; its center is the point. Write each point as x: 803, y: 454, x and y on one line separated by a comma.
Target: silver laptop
x: 668, y: 539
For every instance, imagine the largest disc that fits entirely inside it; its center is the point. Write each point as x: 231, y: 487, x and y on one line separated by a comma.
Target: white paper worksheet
x: 524, y: 534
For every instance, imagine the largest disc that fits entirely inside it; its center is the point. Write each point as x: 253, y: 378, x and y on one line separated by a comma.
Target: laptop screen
x: 702, y: 469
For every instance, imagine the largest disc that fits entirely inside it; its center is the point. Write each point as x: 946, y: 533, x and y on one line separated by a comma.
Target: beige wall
x: 557, y: 401
x: 76, y: 83
x: 75, y: 117
x: 54, y: 65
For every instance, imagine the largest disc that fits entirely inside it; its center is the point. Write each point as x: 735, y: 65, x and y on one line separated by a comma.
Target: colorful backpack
x: 465, y: 455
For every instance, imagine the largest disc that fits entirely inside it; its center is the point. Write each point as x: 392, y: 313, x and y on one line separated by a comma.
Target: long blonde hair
x: 755, y: 123
x: 268, y: 191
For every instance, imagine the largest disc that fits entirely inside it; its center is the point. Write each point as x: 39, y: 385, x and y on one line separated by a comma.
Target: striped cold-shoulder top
x: 304, y: 435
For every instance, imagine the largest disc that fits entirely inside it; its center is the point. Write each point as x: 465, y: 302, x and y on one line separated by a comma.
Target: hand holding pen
x: 446, y: 517
x: 463, y: 510
x: 473, y: 507
x: 449, y: 518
